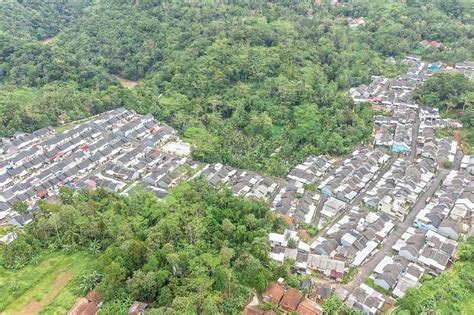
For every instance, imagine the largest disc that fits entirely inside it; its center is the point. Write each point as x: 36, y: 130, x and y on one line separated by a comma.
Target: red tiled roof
x: 42, y: 193
x: 255, y: 310
x: 273, y: 293
x: 309, y: 307
x: 291, y: 300
x: 335, y: 274
x: 87, y: 309
x: 94, y: 297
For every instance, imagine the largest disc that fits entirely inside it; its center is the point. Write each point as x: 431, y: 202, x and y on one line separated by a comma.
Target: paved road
x: 414, y: 136
x: 358, y: 199
x: 457, y: 159
x: 369, y: 266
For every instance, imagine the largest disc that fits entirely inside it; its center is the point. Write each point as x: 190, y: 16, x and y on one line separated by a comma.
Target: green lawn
x: 19, y: 287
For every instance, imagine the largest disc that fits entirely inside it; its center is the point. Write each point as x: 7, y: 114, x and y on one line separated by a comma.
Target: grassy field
x: 48, y: 288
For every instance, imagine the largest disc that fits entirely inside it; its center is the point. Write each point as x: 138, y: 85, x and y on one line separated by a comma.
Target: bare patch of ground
x: 128, y: 84
x: 47, y: 40
x: 34, y: 306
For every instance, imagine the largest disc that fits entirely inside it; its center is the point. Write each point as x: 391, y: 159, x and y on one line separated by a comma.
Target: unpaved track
x: 34, y: 306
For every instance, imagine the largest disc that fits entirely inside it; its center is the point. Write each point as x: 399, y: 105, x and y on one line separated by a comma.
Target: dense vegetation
x: 39, y: 19
x: 334, y: 306
x: 197, y: 250
x: 447, y: 91
x: 453, y: 94
x: 450, y: 293
x: 255, y: 84
x: 34, y: 108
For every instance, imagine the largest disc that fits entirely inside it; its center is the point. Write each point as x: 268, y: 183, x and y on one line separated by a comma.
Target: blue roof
x: 400, y: 148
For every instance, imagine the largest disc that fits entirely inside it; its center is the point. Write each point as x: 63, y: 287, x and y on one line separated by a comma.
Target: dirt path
x: 34, y: 306
x: 129, y: 84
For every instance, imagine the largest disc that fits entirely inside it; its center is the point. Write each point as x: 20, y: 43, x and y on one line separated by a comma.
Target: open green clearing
x: 34, y: 282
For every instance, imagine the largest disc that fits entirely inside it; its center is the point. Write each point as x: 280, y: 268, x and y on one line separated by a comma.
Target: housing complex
x: 382, y: 216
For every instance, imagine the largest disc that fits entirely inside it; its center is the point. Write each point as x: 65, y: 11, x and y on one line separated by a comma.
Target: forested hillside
x: 39, y: 19
x: 248, y: 82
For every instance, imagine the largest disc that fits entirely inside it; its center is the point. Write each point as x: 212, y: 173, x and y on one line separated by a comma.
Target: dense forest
x: 249, y: 83
x: 39, y: 19
x: 196, y: 250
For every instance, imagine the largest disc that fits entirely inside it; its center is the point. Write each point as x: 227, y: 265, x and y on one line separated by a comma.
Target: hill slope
x: 253, y: 84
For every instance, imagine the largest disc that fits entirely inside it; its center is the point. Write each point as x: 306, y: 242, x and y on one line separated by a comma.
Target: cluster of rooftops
x: 399, y: 188
x: 34, y: 166
x: 356, y: 201
x: 448, y: 210
x: 416, y: 253
x: 395, y: 129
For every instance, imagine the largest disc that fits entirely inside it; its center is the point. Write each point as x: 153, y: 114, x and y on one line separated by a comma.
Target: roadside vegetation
x: 334, y: 306
x: 349, y: 275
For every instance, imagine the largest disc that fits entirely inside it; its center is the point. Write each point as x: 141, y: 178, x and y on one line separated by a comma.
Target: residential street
x: 414, y: 137
x: 368, y: 267
x: 457, y: 159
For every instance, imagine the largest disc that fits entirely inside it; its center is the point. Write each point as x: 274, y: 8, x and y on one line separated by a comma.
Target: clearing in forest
x: 47, y: 40
x: 47, y: 287
x: 35, y: 306
x: 128, y: 84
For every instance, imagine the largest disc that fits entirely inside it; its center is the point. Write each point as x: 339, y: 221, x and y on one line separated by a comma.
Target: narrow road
x: 414, y: 136
x: 458, y: 159
x: 358, y: 199
x: 369, y: 266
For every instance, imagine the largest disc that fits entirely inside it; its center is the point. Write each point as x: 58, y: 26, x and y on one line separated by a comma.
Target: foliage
x: 89, y: 281
x: 447, y: 165
x: 312, y: 229
x: 371, y: 283
x: 451, y: 292
x: 20, y: 206
x: 335, y: 306
x: 28, y: 109
x: 453, y: 94
x: 257, y: 85
x: 446, y: 91
x: 32, y: 282
x: 198, y: 250
x: 349, y: 275
x: 37, y: 18
x: 17, y: 254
